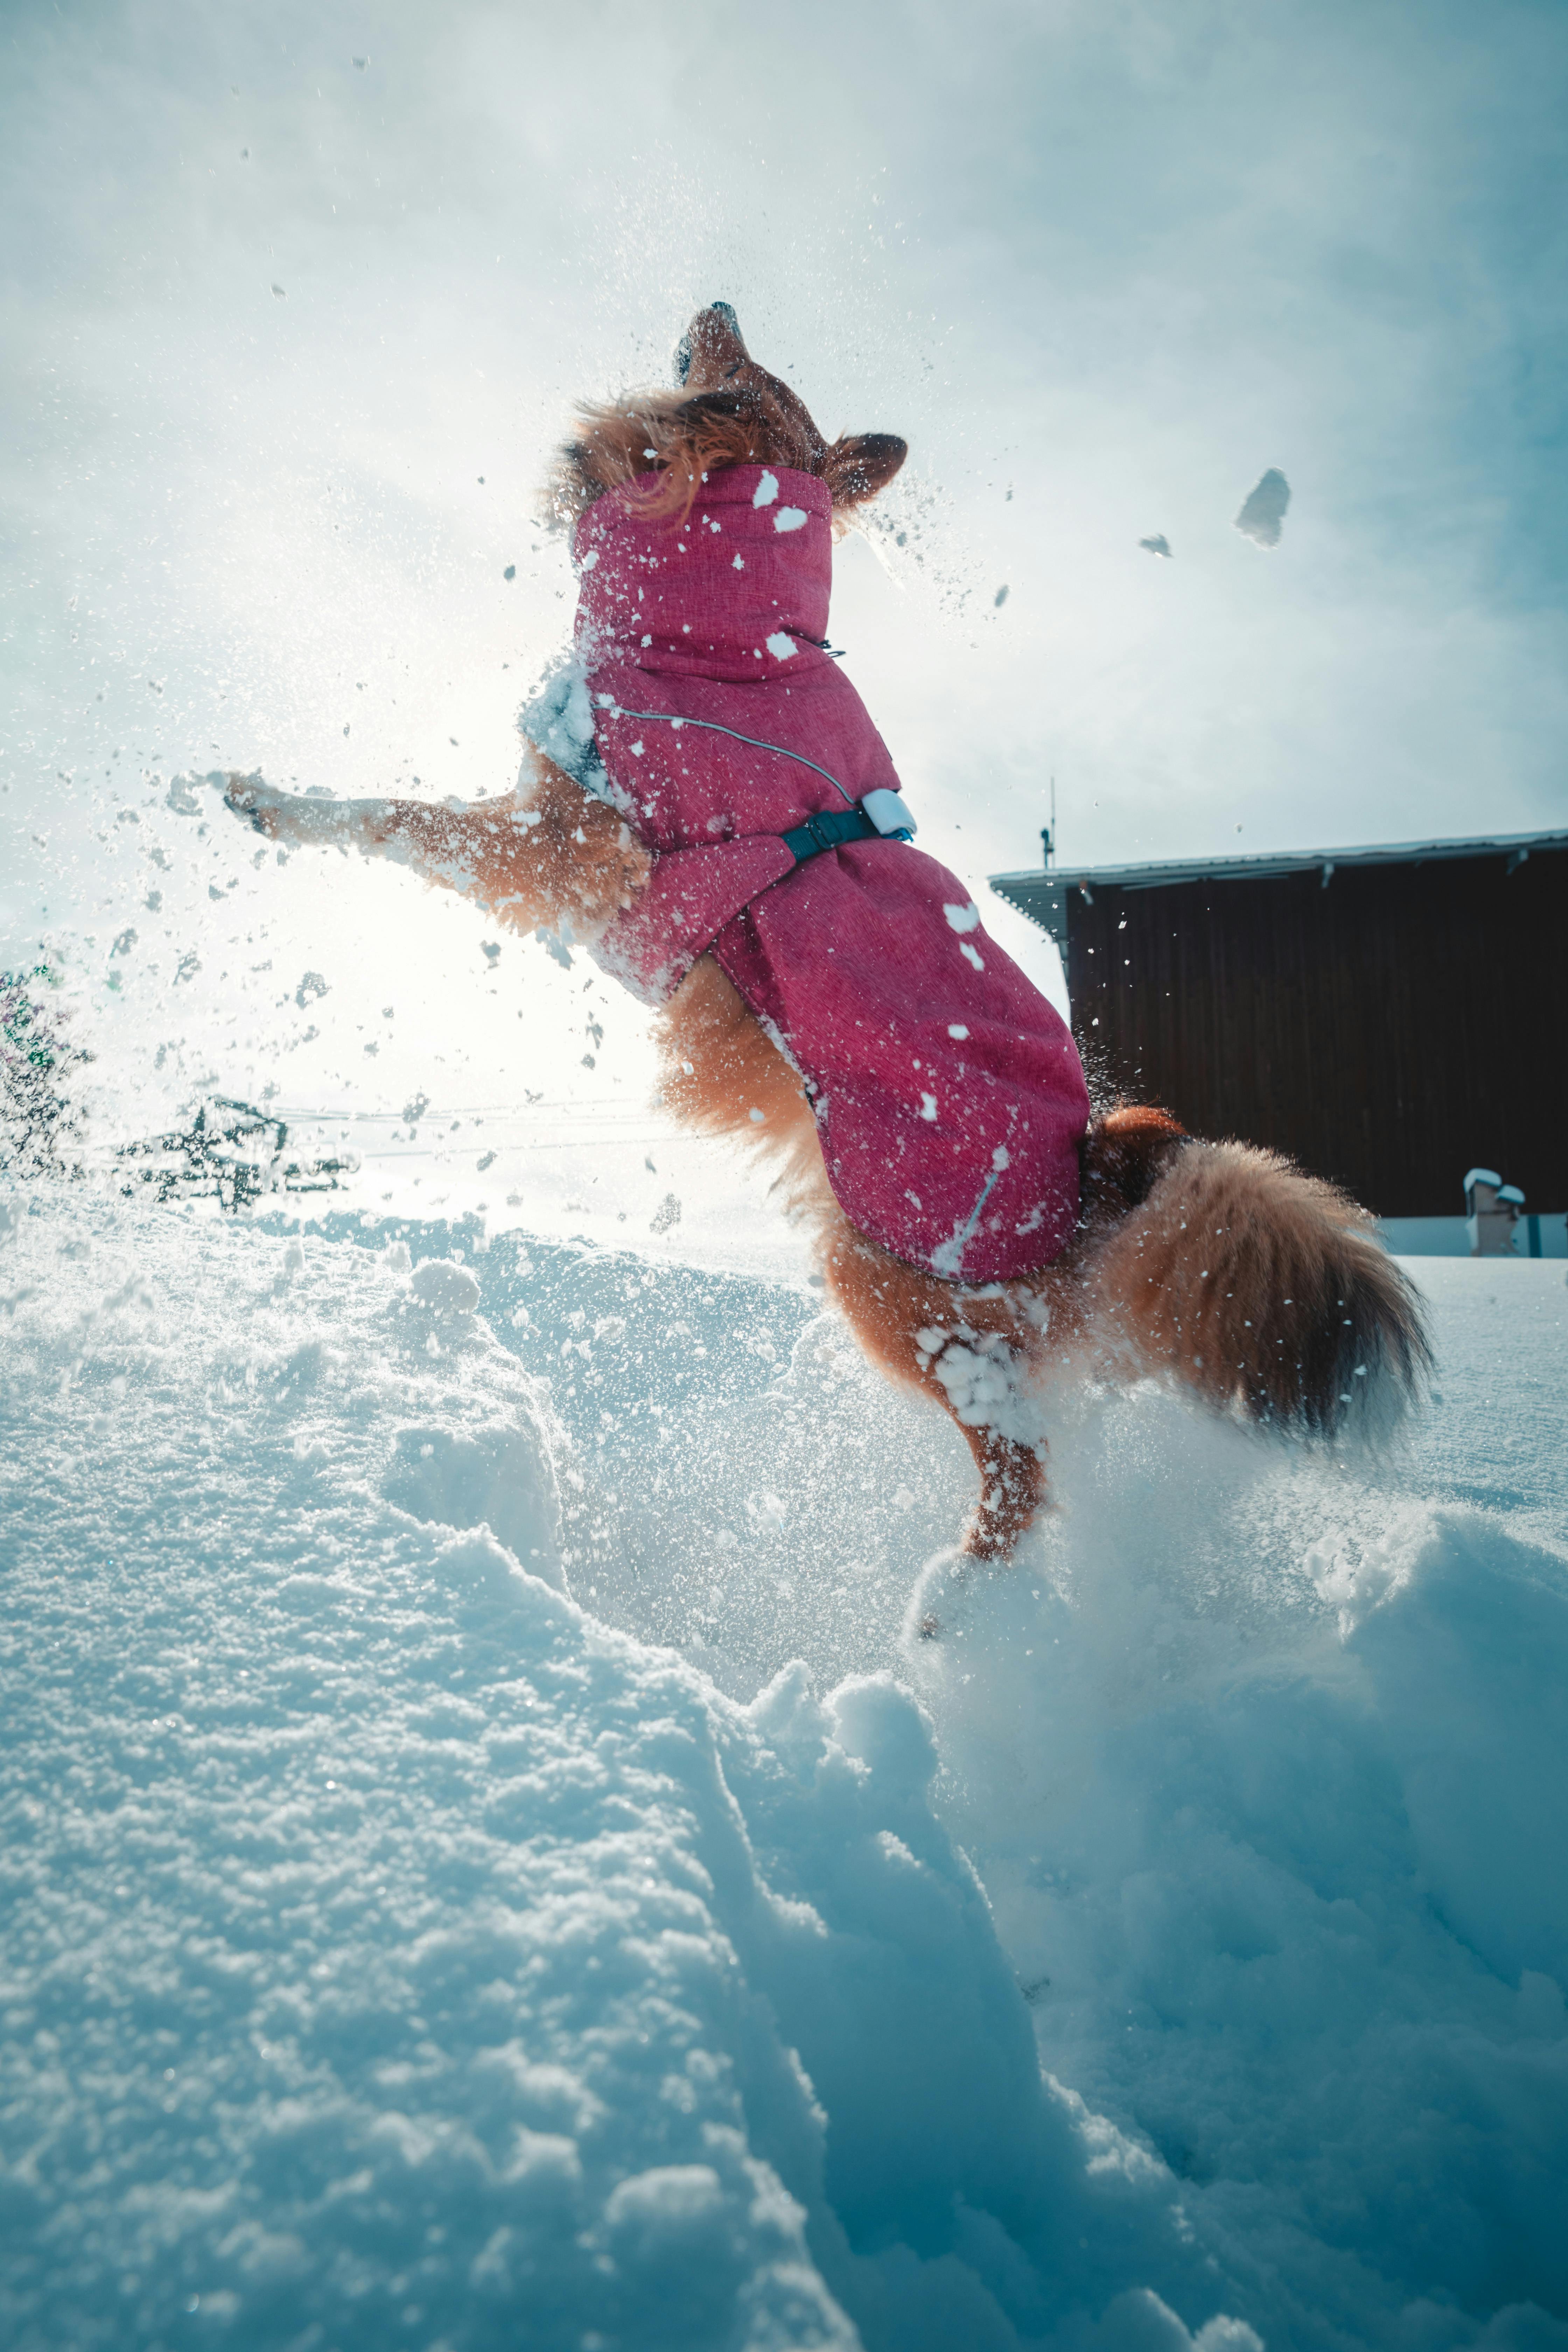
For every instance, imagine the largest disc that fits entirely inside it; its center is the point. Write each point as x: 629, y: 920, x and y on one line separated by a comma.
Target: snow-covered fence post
x: 1492, y: 1214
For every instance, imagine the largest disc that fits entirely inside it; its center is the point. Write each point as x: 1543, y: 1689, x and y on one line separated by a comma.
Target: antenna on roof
x: 1048, y: 832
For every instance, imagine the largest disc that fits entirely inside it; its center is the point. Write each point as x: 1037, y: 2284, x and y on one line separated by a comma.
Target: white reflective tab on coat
x: 888, y: 813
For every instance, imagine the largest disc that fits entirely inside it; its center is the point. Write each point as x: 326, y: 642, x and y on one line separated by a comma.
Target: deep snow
x: 400, y: 1948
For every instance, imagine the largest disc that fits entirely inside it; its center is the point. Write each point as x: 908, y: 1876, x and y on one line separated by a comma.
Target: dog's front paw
x: 256, y: 802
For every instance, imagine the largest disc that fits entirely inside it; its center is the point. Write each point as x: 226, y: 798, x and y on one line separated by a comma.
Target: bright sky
x: 286, y: 339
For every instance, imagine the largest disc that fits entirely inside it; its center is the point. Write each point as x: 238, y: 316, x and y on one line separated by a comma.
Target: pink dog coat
x: 948, y: 1095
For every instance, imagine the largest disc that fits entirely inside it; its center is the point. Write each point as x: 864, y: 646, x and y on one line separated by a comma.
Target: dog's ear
x: 861, y: 464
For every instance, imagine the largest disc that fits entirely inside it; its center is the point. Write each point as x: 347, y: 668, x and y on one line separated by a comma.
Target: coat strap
x: 828, y: 830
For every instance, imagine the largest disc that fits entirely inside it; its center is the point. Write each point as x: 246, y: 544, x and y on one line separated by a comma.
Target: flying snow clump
x: 1264, y: 512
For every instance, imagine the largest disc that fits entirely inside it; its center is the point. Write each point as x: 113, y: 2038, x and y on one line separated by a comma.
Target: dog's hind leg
x: 974, y: 1352
x: 1013, y: 1487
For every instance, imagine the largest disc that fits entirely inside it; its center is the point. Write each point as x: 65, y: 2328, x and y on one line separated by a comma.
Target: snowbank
x: 397, y: 1953
x: 1266, y: 1771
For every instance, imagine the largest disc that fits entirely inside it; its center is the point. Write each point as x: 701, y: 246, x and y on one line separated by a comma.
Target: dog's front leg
x: 295, y: 818
x: 472, y: 850
x: 558, y: 857
x: 422, y: 833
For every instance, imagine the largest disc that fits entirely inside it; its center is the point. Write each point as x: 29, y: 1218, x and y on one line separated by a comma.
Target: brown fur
x: 730, y: 413
x: 1225, y: 1267
x: 546, y: 857
x: 1263, y: 1288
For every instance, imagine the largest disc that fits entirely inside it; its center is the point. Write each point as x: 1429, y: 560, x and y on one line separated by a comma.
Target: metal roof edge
x: 1517, y: 846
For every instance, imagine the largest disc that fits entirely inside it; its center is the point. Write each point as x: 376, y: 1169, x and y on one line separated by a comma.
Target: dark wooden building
x: 1388, y: 1017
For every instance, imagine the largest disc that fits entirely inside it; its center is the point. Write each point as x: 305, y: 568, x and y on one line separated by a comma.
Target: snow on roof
x: 1023, y: 886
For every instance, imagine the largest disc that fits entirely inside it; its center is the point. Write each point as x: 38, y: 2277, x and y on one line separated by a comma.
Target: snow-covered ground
x: 484, y: 1863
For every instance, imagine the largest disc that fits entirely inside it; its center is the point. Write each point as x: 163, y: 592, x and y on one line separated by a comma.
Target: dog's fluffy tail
x: 1265, y: 1288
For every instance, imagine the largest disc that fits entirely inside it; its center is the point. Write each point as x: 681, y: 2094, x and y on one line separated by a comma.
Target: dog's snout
x: 710, y: 331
